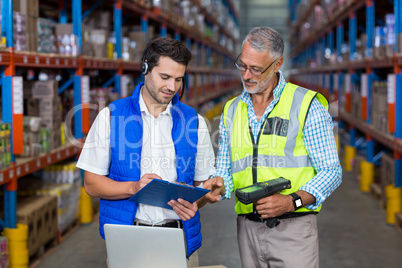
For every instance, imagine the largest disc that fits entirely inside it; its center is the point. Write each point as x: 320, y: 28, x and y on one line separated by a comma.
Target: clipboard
x: 159, y: 193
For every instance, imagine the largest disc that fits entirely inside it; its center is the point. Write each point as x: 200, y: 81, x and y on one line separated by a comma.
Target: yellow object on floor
x: 367, y: 176
x: 394, y: 202
x: 87, y: 212
x: 350, y: 153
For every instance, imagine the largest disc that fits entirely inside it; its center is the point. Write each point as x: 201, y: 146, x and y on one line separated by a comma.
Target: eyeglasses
x: 253, y: 71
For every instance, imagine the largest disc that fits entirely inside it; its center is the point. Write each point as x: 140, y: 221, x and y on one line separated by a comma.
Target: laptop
x: 143, y: 246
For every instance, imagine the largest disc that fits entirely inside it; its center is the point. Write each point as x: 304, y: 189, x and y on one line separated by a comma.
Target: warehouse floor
x: 352, y: 227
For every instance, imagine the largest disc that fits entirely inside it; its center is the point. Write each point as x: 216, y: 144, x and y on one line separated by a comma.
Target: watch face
x: 298, y: 203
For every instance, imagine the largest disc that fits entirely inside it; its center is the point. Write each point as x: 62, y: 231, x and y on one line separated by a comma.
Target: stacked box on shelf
x: 139, y: 39
x: 35, y: 137
x: 67, y: 43
x: 61, y: 181
x: 43, y: 101
x: 19, y: 35
x: 30, y: 9
x: 5, y: 145
x: 357, y: 164
x: 379, y: 106
x: 64, y: 181
x: 387, y: 173
x: 46, y: 37
x: 356, y: 109
x: 40, y: 214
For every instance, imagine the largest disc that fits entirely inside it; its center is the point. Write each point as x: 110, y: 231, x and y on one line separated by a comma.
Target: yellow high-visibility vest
x: 279, y: 150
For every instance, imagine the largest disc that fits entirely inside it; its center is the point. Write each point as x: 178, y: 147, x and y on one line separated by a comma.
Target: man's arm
x: 223, y: 161
x: 106, y: 188
x: 321, y: 147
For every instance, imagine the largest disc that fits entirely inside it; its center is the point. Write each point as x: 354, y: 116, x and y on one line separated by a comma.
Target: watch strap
x: 296, y: 197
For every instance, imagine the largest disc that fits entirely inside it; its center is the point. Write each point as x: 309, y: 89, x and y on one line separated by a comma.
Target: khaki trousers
x: 293, y: 243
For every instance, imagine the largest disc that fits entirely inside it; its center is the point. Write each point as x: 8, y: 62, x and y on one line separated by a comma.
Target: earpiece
x: 144, y: 68
x: 144, y: 64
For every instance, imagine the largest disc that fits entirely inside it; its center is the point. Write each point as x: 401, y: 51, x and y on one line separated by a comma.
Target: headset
x: 145, y: 67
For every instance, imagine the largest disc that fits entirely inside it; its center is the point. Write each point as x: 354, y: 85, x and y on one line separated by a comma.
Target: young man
x: 276, y: 129
x: 151, y: 135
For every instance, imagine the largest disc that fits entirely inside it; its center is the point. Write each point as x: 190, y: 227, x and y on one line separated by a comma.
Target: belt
x: 272, y: 222
x: 171, y: 224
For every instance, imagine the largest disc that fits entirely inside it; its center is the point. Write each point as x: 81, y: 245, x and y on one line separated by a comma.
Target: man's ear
x: 278, y: 64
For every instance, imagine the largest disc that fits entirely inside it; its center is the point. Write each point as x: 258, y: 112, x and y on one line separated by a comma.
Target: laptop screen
x: 143, y: 246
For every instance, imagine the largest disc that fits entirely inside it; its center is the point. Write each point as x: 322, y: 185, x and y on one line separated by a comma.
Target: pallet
x: 69, y: 230
x: 376, y: 192
x: 398, y: 222
x: 43, y: 252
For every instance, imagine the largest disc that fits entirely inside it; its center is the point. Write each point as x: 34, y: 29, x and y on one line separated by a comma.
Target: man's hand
x: 274, y: 205
x: 217, y: 188
x: 184, y: 209
x: 147, y: 178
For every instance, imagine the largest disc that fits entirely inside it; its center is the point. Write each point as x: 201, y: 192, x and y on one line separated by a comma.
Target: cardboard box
x: 357, y: 165
x: 31, y: 106
x: 31, y: 212
x: 139, y: 38
x: 387, y: 169
x: 44, y: 89
x: 64, y: 29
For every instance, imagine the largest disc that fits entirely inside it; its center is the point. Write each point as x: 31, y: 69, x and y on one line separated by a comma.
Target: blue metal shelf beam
x: 66, y: 85
x: 339, y: 40
x: 370, y: 28
x: 90, y: 10
x: 352, y: 35
x: 63, y: 17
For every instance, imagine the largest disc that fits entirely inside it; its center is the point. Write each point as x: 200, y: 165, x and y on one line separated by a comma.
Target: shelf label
x: 47, y: 61
x: 67, y: 152
x: 58, y: 155
x: 348, y: 83
x: 1, y: 57
x: 74, y: 62
x: 11, y: 174
x: 26, y: 167
x: 49, y: 159
x: 85, y: 89
x: 38, y: 162
x: 1, y: 177
x: 364, y: 89
x: 25, y: 59
x: 57, y: 61
x: 18, y: 171
x: 391, y: 88
x: 18, y: 98
x: 65, y: 62
x: 37, y: 60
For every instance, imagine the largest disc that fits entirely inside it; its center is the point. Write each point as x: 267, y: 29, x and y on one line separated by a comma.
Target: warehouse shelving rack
x: 328, y: 38
x: 10, y: 60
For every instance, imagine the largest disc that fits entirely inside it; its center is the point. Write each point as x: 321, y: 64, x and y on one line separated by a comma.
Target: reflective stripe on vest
x: 289, y: 160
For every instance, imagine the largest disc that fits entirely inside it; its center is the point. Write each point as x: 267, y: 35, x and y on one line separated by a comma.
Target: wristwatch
x: 297, y: 201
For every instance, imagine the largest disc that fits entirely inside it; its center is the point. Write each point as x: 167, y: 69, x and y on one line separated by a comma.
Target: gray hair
x: 265, y: 39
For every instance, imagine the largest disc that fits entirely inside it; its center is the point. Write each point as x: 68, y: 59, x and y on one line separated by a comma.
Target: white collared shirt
x: 157, y: 155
